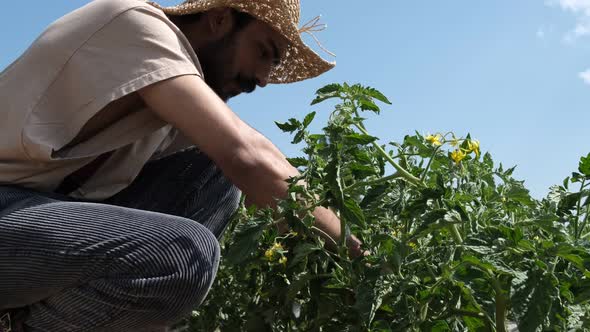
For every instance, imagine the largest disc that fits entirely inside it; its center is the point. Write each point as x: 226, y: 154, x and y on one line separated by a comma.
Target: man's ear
x: 220, y: 21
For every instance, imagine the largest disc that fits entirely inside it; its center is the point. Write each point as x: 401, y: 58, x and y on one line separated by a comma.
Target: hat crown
x: 293, y: 6
x: 299, y: 61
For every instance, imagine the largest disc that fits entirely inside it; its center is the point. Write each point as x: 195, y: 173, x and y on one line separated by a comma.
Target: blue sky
x: 514, y: 74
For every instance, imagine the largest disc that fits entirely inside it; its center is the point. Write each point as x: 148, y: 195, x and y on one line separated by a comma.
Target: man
x: 120, y: 161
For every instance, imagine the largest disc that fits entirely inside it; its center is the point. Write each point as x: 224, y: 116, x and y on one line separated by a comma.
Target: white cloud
x: 585, y: 75
x: 576, y: 6
x: 581, y: 9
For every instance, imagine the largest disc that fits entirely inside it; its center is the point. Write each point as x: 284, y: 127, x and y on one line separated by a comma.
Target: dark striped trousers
x: 138, y: 261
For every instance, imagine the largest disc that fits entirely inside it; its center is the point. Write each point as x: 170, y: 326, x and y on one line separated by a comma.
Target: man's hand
x: 245, y: 156
x: 354, y: 247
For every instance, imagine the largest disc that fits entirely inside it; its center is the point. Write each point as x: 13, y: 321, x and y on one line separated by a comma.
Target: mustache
x: 246, y: 84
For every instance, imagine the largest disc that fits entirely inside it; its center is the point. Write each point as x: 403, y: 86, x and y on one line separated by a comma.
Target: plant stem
x: 429, y: 163
x: 326, y: 236
x: 577, y: 231
x: 402, y: 172
x: 456, y: 234
x: 585, y: 220
x: 553, y: 265
x: 405, y: 155
x: 462, y: 312
x: 374, y: 182
x: 500, y: 306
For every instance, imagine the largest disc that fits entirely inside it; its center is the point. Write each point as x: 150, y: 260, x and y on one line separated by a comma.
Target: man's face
x: 242, y: 59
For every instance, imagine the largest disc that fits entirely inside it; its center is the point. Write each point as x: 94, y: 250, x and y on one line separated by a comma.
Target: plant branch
x: 456, y: 234
x: 577, y: 231
x: 501, y: 302
x: 585, y: 219
x: 423, y: 177
x: 402, y: 172
x: 373, y: 182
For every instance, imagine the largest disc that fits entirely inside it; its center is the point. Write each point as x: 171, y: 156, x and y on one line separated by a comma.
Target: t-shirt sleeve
x: 136, y: 48
x: 136, y: 45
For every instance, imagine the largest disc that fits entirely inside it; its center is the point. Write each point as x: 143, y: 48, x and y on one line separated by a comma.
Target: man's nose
x: 262, y: 81
x: 262, y: 75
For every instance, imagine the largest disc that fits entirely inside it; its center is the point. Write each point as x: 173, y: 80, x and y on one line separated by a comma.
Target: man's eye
x: 263, y: 52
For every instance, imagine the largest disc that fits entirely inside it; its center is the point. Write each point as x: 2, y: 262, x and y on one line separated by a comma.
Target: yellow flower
x: 412, y: 245
x: 455, y: 142
x: 269, y: 254
x: 277, y: 247
x: 434, y: 140
x: 474, y: 147
x: 458, y: 155
x: 283, y: 260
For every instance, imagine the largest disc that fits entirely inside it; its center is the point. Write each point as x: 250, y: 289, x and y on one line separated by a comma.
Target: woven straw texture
x: 299, y: 63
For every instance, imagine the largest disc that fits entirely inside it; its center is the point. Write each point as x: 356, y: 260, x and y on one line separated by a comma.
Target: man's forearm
x: 266, y: 182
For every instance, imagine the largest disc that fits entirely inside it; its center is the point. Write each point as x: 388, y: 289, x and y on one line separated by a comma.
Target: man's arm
x: 246, y: 157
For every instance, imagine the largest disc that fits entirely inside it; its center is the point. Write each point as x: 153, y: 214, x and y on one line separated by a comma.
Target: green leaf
x: 576, y: 260
x: 301, y: 251
x: 334, y: 87
x: 362, y: 171
x: 542, y: 291
x: 360, y: 139
x: 298, y: 284
x: 474, y: 261
x: 327, y: 92
x: 377, y: 95
x: 440, y: 326
x: 368, y: 105
x: 308, y: 119
x: 577, y: 256
x: 487, y: 160
x: 583, y: 295
x: 569, y: 201
x: 298, y: 137
x: 373, y: 195
x: 353, y: 212
x: 453, y: 217
x: 434, y: 215
x: 246, y: 242
x: 474, y: 324
x: 423, y: 150
x: 369, y: 297
x: 297, y: 162
x: 289, y: 126
x: 584, y: 166
x: 521, y: 195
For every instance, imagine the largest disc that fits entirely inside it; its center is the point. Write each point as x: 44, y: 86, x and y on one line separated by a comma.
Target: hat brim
x: 299, y: 61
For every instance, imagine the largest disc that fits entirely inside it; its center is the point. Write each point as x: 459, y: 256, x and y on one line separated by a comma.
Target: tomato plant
x: 456, y: 243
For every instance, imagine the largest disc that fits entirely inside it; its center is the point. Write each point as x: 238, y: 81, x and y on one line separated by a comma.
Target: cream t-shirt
x: 87, y: 59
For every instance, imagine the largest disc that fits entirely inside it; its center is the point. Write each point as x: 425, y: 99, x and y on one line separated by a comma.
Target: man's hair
x: 241, y: 19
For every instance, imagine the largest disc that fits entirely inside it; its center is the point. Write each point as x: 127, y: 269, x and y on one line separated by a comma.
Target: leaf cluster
x: 455, y: 245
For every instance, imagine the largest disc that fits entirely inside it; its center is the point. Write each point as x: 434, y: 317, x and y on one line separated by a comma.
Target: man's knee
x: 176, y: 271
x: 153, y: 274
x: 222, y: 198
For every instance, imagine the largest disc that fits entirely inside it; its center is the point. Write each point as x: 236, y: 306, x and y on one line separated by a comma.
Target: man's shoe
x: 12, y: 320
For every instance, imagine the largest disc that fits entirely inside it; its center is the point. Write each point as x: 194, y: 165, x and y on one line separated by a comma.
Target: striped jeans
x: 138, y: 261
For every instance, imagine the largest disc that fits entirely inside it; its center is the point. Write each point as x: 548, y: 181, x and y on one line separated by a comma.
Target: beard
x: 216, y: 63
x: 217, y: 60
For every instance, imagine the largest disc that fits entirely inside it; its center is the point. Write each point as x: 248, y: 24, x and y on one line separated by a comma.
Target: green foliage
x: 456, y: 243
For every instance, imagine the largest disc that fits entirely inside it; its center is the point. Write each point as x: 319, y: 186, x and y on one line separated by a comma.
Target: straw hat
x: 300, y: 62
